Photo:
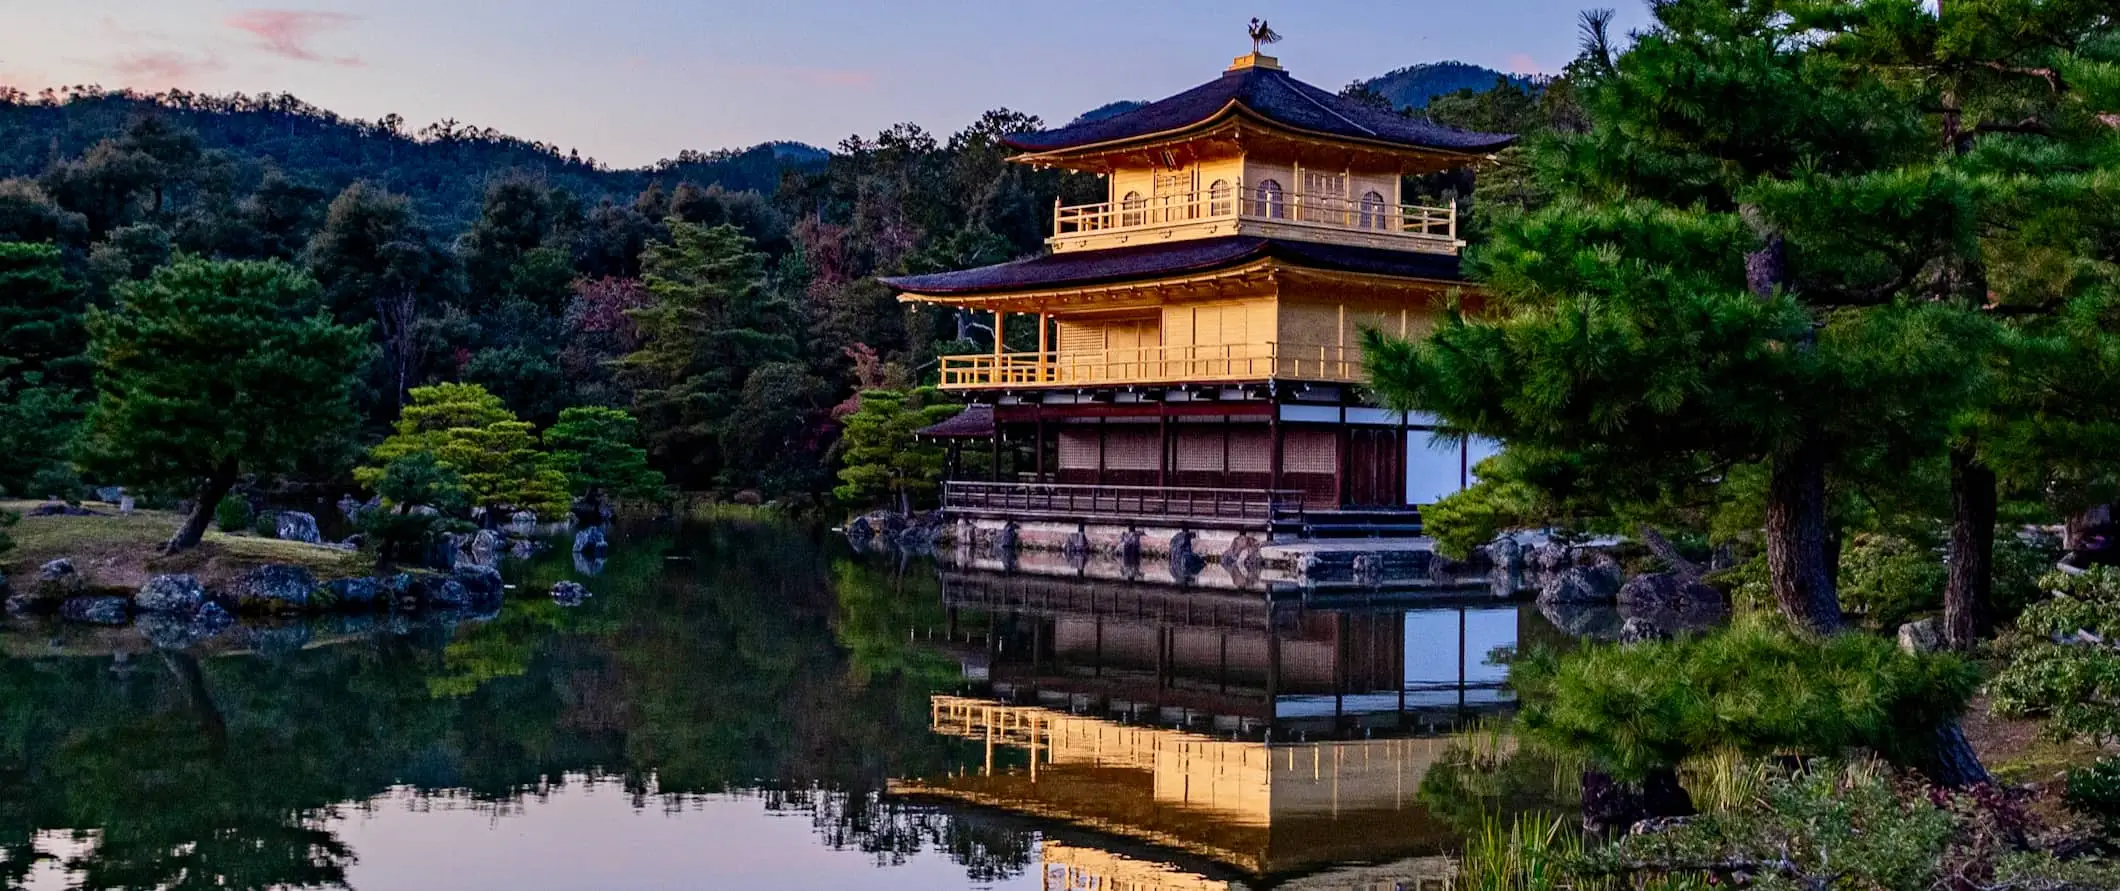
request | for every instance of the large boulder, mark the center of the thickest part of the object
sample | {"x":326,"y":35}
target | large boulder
{"x":1925,"y":636}
{"x":488,"y":542}
{"x":590,"y":542}
{"x":358,"y":594}
{"x":1597,"y":584}
{"x":293,"y":525}
{"x":274,"y":588}
{"x":96,"y":610}
{"x":482,"y":584}
{"x":440,"y":592}
{"x":1507,"y":573}
{"x":1671,"y":592}
{"x":170,"y":595}
{"x":523,"y":521}
{"x":1244,"y":560}
{"x":569,"y":593}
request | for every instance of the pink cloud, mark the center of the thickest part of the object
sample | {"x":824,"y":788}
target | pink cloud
{"x":289,"y":32}
{"x":160,"y":68}
{"x":1522,"y":63}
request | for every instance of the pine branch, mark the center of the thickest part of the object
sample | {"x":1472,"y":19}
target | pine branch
{"x":2052,"y":77}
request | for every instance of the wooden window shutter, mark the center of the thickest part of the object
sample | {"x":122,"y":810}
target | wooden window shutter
{"x":1078,"y":450}
{"x":1310,"y":451}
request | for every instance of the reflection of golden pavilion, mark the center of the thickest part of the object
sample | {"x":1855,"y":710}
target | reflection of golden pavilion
{"x":1258,"y":807}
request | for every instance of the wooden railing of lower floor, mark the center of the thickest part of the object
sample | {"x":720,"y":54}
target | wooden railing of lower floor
{"x":1232,"y":508}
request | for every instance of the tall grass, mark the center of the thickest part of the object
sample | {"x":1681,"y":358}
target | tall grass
{"x":1530,"y":854}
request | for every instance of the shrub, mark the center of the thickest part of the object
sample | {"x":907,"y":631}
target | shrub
{"x":1753,"y":688}
{"x":233,"y":514}
{"x":1850,"y":827}
{"x":1890,"y":579}
{"x":2066,"y":668}
{"x":2094,"y":791}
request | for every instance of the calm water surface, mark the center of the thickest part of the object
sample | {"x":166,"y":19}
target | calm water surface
{"x":744,"y":706}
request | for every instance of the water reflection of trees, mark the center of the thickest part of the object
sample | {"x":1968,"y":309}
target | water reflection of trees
{"x":706,"y":664}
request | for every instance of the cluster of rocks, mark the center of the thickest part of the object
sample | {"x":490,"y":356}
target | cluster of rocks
{"x":889,"y":530}
{"x":273,"y":589}
{"x":1583,"y":590}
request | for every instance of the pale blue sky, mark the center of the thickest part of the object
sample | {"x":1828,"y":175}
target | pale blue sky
{"x":631,"y":81}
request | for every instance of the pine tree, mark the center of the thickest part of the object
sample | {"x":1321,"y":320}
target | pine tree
{"x":1723,"y":281}
{"x":208,"y":370}
{"x":470,"y":431}
{"x":881,"y":459}
{"x":709,"y":324}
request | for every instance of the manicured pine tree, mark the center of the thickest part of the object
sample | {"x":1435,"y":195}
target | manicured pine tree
{"x":1719,"y":289}
{"x":471,"y":432}
{"x":596,"y":447}
{"x":209,"y":370}
{"x":709,"y":324}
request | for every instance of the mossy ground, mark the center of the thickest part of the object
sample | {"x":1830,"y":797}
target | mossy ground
{"x":123,"y":551}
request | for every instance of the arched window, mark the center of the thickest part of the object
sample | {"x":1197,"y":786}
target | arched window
{"x":1269,"y":202}
{"x":1133,"y":210}
{"x":1218,"y":199}
{"x":1373,"y":211}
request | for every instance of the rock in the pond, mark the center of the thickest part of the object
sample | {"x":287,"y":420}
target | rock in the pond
{"x":356,"y":594}
{"x":293,"y":525}
{"x":569,"y":593}
{"x":482,"y":584}
{"x":488,"y":541}
{"x":110,"y":494}
{"x":59,"y":579}
{"x":274,"y":588}
{"x":1244,"y":560}
{"x":170,"y":595}
{"x":523,"y":521}
{"x":441,"y":592}
{"x":590,"y":542}
{"x":1920,"y":637}
{"x":96,"y":610}
{"x":1185,"y":563}
{"x":1586,"y":621}
{"x":1006,"y":539}
{"x":1671,"y":592}
{"x":1581,"y":585}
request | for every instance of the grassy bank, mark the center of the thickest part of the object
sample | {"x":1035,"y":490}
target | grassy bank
{"x":123,"y":551}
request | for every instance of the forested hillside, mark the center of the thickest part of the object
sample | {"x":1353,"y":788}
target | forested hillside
{"x":443,"y":167}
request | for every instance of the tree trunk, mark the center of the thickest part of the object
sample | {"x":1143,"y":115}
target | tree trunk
{"x":1954,"y":763}
{"x":1800,"y":558}
{"x":211,"y":490}
{"x":1969,"y":595}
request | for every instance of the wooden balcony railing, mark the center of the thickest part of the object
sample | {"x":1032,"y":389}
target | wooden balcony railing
{"x":1430,"y":228}
{"x":1260,"y":508}
{"x":1156,"y":365}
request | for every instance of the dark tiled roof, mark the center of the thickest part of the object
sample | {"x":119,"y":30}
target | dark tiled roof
{"x":976,"y":421}
{"x":1176,"y":257}
{"x":1272,"y":94}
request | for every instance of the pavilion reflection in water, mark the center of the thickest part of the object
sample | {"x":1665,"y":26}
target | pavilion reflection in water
{"x":1190,"y":740}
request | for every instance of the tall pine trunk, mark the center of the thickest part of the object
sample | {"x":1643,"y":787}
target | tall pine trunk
{"x":211,"y":490}
{"x":1968,"y":595}
{"x":1802,"y":558}
{"x":1800,"y":554}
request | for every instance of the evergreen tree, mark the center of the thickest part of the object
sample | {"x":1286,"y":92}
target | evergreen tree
{"x":881,"y":458}
{"x":378,"y":263}
{"x":1724,"y":281}
{"x":471,"y":432}
{"x":710,"y":322}
{"x":597,"y":448}
{"x":208,"y":370}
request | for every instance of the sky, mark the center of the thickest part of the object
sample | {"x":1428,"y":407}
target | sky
{"x":632,"y":81}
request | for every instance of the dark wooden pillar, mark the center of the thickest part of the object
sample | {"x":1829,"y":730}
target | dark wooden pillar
{"x":1340,"y":442}
{"x":1163,"y":446}
{"x":1041,"y":444}
{"x":1278,"y":432}
{"x":1101,"y":431}
{"x":1399,"y":462}
{"x":997,"y":452}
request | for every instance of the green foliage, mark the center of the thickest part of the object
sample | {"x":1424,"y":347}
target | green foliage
{"x":1486,"y":776}
{"x":233,"y":514}
{"x":469,"y":431}
{"x":212,"y":367}
{"x":1891,"y":580}
{"x":2064,"y":666}
{"x":596,"y":448}
{"x":881,"y":458}
{"x":709,"y":324}
{"x":1752,"y":688}
{"x":420,"y":496}
{"x":2093,"y":790}
{"x":1856,"y":828}
{"x":44,"y":375}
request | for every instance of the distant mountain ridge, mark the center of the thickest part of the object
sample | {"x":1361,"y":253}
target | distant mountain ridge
{"x":444,"y":167}
{"x":1415,"y":85}
{"x":1408,"y":88}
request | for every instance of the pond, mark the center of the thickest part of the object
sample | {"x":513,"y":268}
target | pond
{"x":743,"y":705}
